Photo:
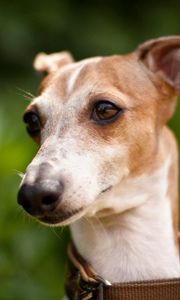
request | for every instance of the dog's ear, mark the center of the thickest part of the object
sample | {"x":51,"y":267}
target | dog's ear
{"x":48,"y":63}
{"x":162,"y":56}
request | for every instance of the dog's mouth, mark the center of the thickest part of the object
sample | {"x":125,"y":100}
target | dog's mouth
{"x":61,"y":219}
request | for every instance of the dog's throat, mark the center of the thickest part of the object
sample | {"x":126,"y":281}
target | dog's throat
{"x":132,"y":246}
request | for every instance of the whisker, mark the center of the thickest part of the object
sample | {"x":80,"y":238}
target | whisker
{"x":27,"y":95}
{"x":26,"y":92}
{"x":18,"y":215}
{"x":107,"y":235}
{"x":90,"y":223}
{"x":19,"y":173}
{"x":56,"y":233}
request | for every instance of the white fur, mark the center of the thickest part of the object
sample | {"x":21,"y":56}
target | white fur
{"x":136,"y":243}
{"x":73,"y":78}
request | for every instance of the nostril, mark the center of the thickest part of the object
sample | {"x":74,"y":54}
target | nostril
{"x":49,"y":200}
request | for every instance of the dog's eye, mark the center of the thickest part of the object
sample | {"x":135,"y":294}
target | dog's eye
{"x":105,"y":112}
{"x":33,"y":124}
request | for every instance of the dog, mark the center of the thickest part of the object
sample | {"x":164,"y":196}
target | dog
{"x":107,"y":163}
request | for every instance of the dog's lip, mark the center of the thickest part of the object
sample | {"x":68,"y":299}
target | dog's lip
{"x":59,"y":218}
{"x":65,"y":218}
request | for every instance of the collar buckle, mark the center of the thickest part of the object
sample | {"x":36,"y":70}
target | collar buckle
{"x":89,"y":293}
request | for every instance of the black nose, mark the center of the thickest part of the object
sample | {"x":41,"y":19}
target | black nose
{"x":41,"y":197}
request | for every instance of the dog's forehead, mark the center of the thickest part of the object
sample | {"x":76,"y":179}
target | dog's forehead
{"x":119,"y":75}
{"x":58,"y":87}
{"x":68,"y":78}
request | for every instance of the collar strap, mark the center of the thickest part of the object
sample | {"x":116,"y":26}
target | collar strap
{"x":83,"y":283}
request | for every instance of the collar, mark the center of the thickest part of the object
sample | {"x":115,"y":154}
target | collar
{"x":83,"y":283}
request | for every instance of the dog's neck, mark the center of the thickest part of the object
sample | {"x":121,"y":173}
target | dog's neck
{"x":136,"y":242}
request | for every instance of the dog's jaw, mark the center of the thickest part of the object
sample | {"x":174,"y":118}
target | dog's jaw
{"x":135,"y":243}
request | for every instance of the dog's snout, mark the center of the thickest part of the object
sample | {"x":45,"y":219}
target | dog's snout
{"x":41,"y":197}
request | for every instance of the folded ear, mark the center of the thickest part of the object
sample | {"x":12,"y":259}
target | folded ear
{"x":52,"y":62}
{"x":162,"y":56}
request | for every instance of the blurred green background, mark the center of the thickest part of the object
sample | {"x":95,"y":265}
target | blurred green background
{"x":32,"y":257}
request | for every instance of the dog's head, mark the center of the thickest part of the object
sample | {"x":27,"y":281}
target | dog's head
{"x":97,"y":122}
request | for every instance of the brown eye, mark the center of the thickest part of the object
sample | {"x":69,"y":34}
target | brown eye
{"x":33,"y":124}
{"x":105,"y":112}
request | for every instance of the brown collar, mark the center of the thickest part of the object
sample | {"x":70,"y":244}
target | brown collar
{"x":83,"y":283}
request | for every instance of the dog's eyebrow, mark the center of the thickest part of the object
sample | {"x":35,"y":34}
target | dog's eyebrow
{"x":119,"y":98}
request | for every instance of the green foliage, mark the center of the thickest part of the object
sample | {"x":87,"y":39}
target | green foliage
{"x":32,"y":257}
